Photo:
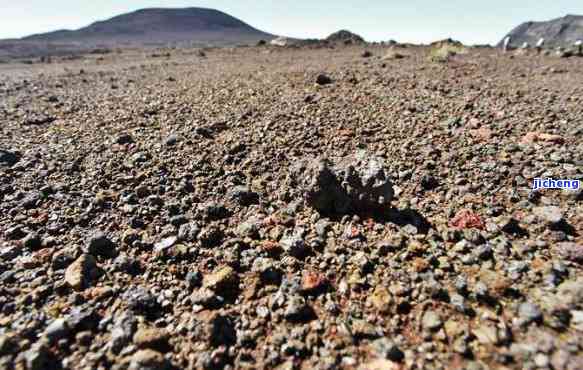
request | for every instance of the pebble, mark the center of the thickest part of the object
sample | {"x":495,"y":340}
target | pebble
{"x":82,"y":273}
{"x":100,"y":245}
{"x":221,"y":279}
{"x":549,"y":214}
{"x":58,"y":329}
{"x":153,"y":338}
{"x":323,"y":79}
{"x":529,"y":312}
{"x":147,"y":359}
{"x":431,"y":321}
{"x":386,"y":349}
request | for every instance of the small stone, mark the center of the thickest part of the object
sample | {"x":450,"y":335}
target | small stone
{"x":141,"y":301}
{"x":381,"y":299}
{"x":100,"y":245}
{"x":294,"y":245}
{"x":188,"y":232}
{"x":7,"y":345}
{"x":248,"y":229}
{"x":466,"y":219}
{"x":15,"y":233}
{"x":58,"y":329}
{"x":459,"y":302}
{"x":222,"y":278}
{"x":243,"y":196}
{"x":322,"y":227}
{"x":569,"y":251}
{"x":32,"y":241}
{"x":165,"y":244}
{"x":486,"y":334}
{"x":429,"y":182}
{"x":323,"y":79}
{"x":297,"y":310}
{"x":81,"y":273}
{"x":124,"y":138}
{"x":431,"y":321}
{"x":37,"y":357}
{"x":153,"y":338}
{"x":194,"y":279}
{"x":541,"y":360}
{"x":387,"y":349}
{"x":380,"y":364}
{"x":214,"y":211}
{"x":220,"y":331}
{"x":171,"y":140}
{"x":206,"y":298}
{"x":551,"y":215}
{"x":178,"y":220}
{"x":8,"y":158}
{"x":361,"y":329}
{"x":313,"y":282}
{"x":529,"y":312}
{"x":147,"y":359}
{"x":358,"y":182}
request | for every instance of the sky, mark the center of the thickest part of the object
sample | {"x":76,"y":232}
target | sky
{"x":418,"y":21}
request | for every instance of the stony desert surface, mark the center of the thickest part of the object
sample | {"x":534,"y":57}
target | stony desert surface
{"x":291,"y":208}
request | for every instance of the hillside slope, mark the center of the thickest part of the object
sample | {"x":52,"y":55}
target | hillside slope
{"x":557,"y":32}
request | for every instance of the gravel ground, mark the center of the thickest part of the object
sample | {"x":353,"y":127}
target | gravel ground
{"x":291,"y":208}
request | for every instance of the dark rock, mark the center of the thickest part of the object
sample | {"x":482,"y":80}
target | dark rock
{"x":214,"y":211}
{"x":221,"y":331}
{"x":323,"y":79}
{"x":32,"y":241}
{"x":38,"y":357}
{"x":8,"y":159}
{"x":243,"y":196}
{"x":429,"y":182}
{"x":100,"y":245}
{"x":385,"y":348}
{"x":124,"y":138}
{"x":178,"y":220}
{"x":297,"y":310}
{"x":141,"y":301}
{"x":171,"y":140}
{"x":357,"y":183}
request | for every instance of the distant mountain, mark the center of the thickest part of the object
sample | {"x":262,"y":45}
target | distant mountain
{"x":155,"y":26}
{"x":557,"y":32}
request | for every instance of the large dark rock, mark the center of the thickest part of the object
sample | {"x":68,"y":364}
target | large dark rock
{"x":356,"y":183}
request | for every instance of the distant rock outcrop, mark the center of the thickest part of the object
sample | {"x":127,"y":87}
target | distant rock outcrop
{"x":563,"y":32}
{"x":346,"y":37}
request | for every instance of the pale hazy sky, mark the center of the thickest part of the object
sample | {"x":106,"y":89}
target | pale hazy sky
{"x":405,"y":21}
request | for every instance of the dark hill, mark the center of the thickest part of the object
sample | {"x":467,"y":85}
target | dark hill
{"x":345,"y":37}
{"x":557,"y":32}
{"x":156,"y":26}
